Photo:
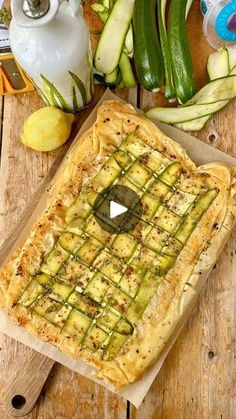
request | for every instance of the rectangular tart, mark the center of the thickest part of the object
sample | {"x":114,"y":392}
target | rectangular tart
{"x":115,"y":299}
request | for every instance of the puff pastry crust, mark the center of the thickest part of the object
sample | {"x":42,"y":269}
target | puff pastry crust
{"x":193,"y":212}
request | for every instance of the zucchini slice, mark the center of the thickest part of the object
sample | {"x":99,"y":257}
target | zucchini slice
{"x":195,"y":125}
{"x":126,"y":71}
{"x":55,"y":260}
{"x":218,"y":64}
{"x":31,"y":293}
{"x":169,"y":81}
{"x":112,"y":40}
{"x":185,"y":113}
{"x":232,"y":56}
{"x":77,"y":325}
{"x":115,"y":343}
{"x":215,"y":90}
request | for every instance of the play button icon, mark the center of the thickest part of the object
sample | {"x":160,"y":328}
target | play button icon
{"x":117,"y":209}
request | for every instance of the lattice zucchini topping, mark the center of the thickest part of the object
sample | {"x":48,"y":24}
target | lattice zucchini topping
{"x":95,"y":285}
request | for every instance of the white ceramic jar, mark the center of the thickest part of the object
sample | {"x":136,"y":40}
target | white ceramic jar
{"x":54,"y":50}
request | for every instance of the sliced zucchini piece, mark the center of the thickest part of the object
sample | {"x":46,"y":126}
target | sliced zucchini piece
{"x":76,"y":226}
{"x":144,"y":257}
{"x":185,"y":229}
{"x":169,"y":80}
{"x":123,"y":246}
{"x":79,"y":209}
{"x":124,"y":181}
{"x":203,"y":203}
{"x":123,"y":159}
{"x":77,"y":325}
{"x":43,"y":279}
{"x":135,"y":146}
{"x":131,"y":280}
{"x":232,"y":56}
{"x":54,"y":260}
{"x":117,"y":299}
{"x":158,"y":189}
{"x":184,"y":113}
{"x":190,"y":221}
{"x":31,"y":293}
{"x":85,"y":304}
{"x":76,"y":273}
{"x":129,"y":42}
{"x":94,"y":230}
{"x":218,"y":64}
{"x":126,"y":71}
{"x":95,"y":338}
{"x":149,"y":206}
{"x":172,"y":247}
{"x":52,"y":311}
{"x":70,"y":242}
{"x":215,"y":90}
{"x":171,"y":174}
{"x":91,"y":196}
{"x":97,"y":287}
{"x":138,"y":175}
{"x":135,"y":311}
{"x":113,"y":163}
{"x":111,"y":43}
{"x":156,"y":239}
{"x":109,"y":266}
{"x":167,"y":219}
{"x":99,"y":8}
{"x":112,"y":78}
{"x":147,"y":289}
{"x":89,"y":251}
{"x":195,"y":124}
{"x":60,"y":291}
{"x":124,"y":328}
{"x":155,"y":161}
{"x":114,"y":346}
{"x":163,"y":263}
{"x":109,"y":318}
{"x":104,"y":178}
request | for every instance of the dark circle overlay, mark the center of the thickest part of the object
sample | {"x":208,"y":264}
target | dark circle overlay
{"x":122,"y":195}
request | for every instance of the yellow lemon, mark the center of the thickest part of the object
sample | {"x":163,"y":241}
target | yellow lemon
{"x":47,"y":129}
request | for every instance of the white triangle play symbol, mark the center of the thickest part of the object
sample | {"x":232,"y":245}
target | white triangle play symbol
{"x":116,"y":209}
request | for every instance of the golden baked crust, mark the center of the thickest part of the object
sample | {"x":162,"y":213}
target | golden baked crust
{"x":176,"y":289}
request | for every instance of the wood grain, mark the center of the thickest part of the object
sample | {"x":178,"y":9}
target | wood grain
{"x":198,"y":379}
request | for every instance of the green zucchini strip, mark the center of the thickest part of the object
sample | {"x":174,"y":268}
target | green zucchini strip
{"x":112,"y":40}
{"x":126,"y":71}
{"x":183,"y":114}
{"x":169,"y":82}
{"x":218,"y":64}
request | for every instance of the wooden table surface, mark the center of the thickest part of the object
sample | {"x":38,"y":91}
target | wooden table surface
{"x":198,"y":378}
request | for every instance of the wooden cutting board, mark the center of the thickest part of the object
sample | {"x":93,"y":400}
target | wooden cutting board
{"x":198,"y":379}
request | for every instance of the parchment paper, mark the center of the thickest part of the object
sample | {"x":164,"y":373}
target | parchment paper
{"x":200,"y":153}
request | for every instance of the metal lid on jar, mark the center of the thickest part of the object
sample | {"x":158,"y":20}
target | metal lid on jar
{"x":35,"y":9}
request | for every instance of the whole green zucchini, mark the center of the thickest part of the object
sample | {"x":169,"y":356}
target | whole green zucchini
{"x":147,"y":51}
{"x":180,"y":51}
